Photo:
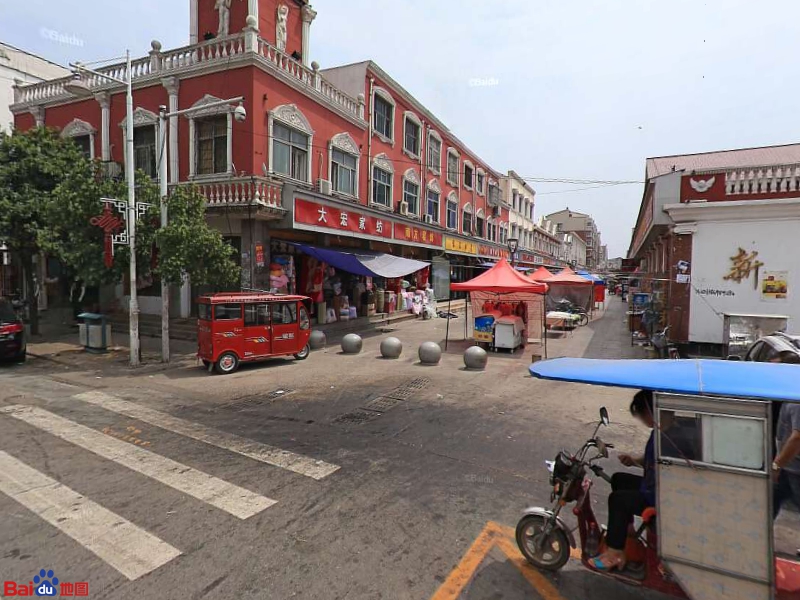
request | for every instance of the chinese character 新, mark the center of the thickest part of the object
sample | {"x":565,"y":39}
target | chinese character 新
{"x":343,"y":219}
{"x":323,"y":215}
{"x":742,"y":265}
{"x":362,"y":223}
{"x":379,"y":226}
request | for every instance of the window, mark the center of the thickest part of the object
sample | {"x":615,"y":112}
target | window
{"x":480,"y":224}
{"x":290,"y":148}
{"x":481,"y":180}
{"x":434,"y":153}
{"x":468,"y":172}
{"x":212,"y":145}
{"x":283,"y":313}
{"x":144,"y":150}
{"x":343,"y":172}
{"x":452,"y":168}
{"x":433,"y":205}
{"x":381,"y":187}
{"x":452,"y":214}
{"x":84,"y":142}
{"x":384,"y":117}
{"x":227,"y":312}
{"x":305,"y":320}
{"x":203,"y":311}
{"x":256,"y":315}
{"x":412,"y":136}
{"x":411,"y":196}
{"x":466,"y":221}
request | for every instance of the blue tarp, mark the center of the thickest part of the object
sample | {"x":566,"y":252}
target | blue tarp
{"x":359,"y":262}
{"x":766,"y":381}
{"x":593,"y":278}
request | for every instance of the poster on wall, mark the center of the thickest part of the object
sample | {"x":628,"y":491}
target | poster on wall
{"x":775,"y":285}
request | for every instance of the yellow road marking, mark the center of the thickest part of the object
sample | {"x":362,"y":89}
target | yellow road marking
{"x":502,"y":537}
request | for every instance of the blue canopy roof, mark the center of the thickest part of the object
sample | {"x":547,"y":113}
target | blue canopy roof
{"x":361,"y":262}
{"x":590,"y":276}
{"x":765,"y":381}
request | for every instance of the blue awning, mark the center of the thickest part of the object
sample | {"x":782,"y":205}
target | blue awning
{"x":591,"y":277}
{"x":763,"y":381}
{"x":361,"y":262}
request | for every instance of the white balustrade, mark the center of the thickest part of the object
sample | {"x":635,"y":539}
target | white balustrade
{"x":779,"y":179}
{"x":241,"y":191}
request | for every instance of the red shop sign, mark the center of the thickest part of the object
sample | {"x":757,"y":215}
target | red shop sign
{"x":417,"y":235}
{"x":340,"y":219}
{"x":493,"y":252}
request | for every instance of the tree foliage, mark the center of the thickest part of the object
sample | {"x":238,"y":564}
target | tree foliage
{"x":49,"y":192}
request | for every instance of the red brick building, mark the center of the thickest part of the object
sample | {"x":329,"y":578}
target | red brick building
{"x":716,"y":233}
{"x":342,"y":157}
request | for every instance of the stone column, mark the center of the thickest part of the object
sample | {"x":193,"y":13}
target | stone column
{"x":194,"y":23}
{"x":38,"y":115}
{"x":104,"y":99}
{"x":252,"y":9}
{"x":172,"y":85}
{"x":309,"y":14}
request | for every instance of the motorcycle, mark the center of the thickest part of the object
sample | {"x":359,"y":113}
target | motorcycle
{"x":662,"y":346}
{"x":546,"y":541}
{"x":568,"y":307}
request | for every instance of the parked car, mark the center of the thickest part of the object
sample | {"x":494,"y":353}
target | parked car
{"x":12,"y":333}
{"x":770,"y":347}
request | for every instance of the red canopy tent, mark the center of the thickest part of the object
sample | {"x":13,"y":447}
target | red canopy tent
{"x":540,"y":274}
{"x":568,"y":285}
{"x":503,"y":280}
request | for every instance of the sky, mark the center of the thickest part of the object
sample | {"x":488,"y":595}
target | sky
{"x":578,"y":90}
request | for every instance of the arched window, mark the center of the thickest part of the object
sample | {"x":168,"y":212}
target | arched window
{"x":411,"y":185}
{"x":466,"y":220}
{"x":291,"y":137}
{"x":343,"y":168}
{"x":383,"y":107}
{"x":480,"y":223}
{"x":382,"y":180}
{"x":83,"y":134}
{"x":452,"y":211}
{"x":433,"y":203}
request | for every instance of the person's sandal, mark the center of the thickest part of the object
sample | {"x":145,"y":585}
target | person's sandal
{"x":599,"y":565}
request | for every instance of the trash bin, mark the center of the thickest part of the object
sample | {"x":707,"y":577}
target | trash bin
{"x":94,"y":332}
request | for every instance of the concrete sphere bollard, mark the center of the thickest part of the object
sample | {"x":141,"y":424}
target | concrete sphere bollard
{"x":475,"y":358}
{"x":351,"y":343}
{"x":391,"y":347}
{"x":430,"y":353}
{"x":318,"y":340}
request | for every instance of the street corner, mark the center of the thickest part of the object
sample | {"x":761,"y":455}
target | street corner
{"x":493,"y":565}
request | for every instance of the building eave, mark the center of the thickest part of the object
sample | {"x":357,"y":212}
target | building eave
{"x":746,"y":210}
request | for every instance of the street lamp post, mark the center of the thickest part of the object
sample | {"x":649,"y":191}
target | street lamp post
{"x":240,"y":115}
{"x":513,"y":245}
{"x":79,"y":89}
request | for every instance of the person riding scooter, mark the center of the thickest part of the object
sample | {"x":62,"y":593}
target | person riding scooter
{"x":631,"y":494}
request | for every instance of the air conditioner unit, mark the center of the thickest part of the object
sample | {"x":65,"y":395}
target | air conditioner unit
{"x":403,"y":209}
{"x":428,"y":219}
{"x":324,"y":186}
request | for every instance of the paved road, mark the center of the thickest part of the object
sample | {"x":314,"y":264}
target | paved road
{"x":338,"y":478}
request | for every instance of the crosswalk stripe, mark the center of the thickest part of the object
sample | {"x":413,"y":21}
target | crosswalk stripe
{"x":226,"y":496}
{"x":304,"y":465}
{"x":129,"y":549}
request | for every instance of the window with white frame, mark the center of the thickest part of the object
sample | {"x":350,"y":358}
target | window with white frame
{"x":434,"y":152}
{"x":144,"y":150}
{"x":383,"y":114}
{"x":382,"y":176}
{"x":480,"y":181}
{"x":411,"y":191}
{"x":480,"y":224}
{"x":343,"y":172}
{"x":412,"y":137}
{"x":82,"y":134}
{"x":452,"y":211}
{"x":469,"y":172}
{"x":291,"y":138}
{"x":433,"y":198}
{"x":211,"y":149}
{"x":344,"y":157}
{"x":453,"y":169}
{"x":466,"y":220}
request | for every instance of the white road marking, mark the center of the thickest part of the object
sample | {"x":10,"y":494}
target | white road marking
{"x":129,"y":549}
{"x":304,"y":465}
{"x":226,"y":496}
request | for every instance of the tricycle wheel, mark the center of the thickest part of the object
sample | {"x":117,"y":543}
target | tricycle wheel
{"x":303,"y":354}
{"x":550,"y":555}
{"x":227,"y":363}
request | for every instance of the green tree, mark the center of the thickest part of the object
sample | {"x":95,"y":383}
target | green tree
{"x":32,"y":165}
{"x":187,"y":245}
